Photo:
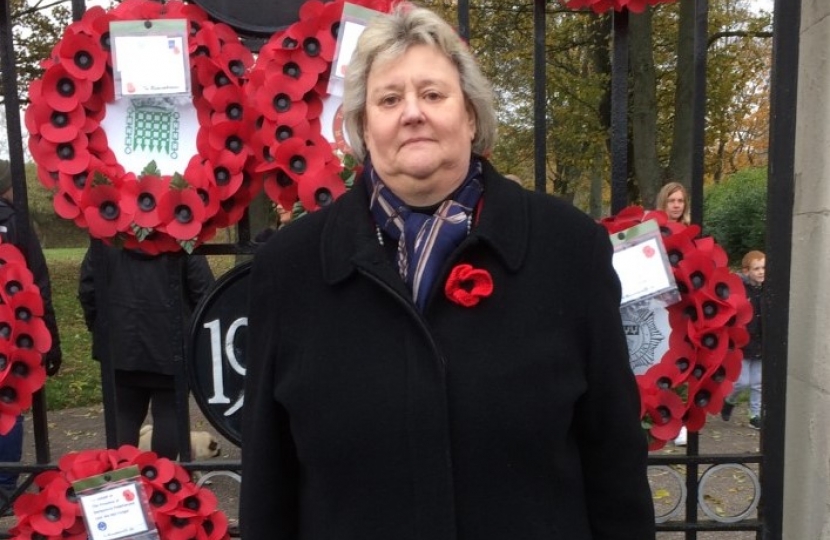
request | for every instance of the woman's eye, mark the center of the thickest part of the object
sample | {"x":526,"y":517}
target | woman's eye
{"x":388,"y":100}
{"x":432,"y":96}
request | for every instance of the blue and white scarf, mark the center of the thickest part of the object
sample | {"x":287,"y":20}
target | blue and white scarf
{"x":427,"y":240}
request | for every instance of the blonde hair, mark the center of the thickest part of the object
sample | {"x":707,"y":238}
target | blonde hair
{"x":663,"y":198}
{"x":388,"y":37}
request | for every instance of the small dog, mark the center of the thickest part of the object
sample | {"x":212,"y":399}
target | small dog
{"x":203,"y":445}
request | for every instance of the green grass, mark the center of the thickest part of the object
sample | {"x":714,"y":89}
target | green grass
{"x":78,"y":383}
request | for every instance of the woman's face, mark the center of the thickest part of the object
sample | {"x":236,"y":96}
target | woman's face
{"x":675,"y":205}
{"x":418,"y":128}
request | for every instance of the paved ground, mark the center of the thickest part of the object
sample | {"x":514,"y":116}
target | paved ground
{"x":729,"y":492}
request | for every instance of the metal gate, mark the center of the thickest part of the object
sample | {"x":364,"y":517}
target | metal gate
{"x":770,"y":460}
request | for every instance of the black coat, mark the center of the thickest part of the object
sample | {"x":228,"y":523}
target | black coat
{"x":137,"y":327}
{"x":755,"y":327}
{"x":514,"y":419}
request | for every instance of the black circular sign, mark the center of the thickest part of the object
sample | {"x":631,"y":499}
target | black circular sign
{"x":257,"y":16}
{"x":216,"y":352}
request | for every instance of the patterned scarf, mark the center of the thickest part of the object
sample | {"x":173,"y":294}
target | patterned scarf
{"x":427,"y":240}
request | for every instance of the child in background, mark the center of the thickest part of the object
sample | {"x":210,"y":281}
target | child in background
{"x":753,"y":267}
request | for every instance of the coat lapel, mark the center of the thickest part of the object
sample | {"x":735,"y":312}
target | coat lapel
{"x":349,"y":243}
{"x":349,"y":239}
{"x":503,"y":222}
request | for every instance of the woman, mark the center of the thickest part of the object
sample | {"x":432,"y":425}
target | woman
{"x":674,"y":201}
{"x":381,"y":408}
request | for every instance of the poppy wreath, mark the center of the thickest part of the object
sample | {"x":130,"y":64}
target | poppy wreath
{"x":601,"y":6}
{"x":180,"y":509}
{"x":24,"y":338}
{"x":708,"y":330}
{"x":301,"y":170}
{"x":149,"y":210}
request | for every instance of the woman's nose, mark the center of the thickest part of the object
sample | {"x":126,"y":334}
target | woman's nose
{"x":412,"y":111}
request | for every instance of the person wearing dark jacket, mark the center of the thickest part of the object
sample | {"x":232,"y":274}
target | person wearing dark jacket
{"x":136,"y":331}
{"x":11,"y":444}
{"x":451,"y":363}
{"x":753,"y":268}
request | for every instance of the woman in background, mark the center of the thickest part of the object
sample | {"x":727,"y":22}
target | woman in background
{"x":673,"y":199}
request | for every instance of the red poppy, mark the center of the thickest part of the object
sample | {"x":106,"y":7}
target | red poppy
{"x":70,"y":157}
{"x":67,"y":208}
{"x":708,"y":246}
{"x":54,"y":126}
{"x":199,"y":504}
{"x":282,"y":189}
{"x":182,"y":212}
{"x":321,"y":189}
{"x":237,"y":59}
{"x":315,"y":41}
{"x":155,"y":471}
{"x":225,"y":142}
{"x":15,"y":278}
{"x":290,"y":64}
{"x":10,"y":254}
{"x":47,"y":514}
{"x":466,"y":285}
{"x":141,"y":199}
{"x":26,"y":375}
{"x":177,"y":528}
{"x":280,"y":100}
{"x":32,"y":335}
{"x":102,"y":209}
{"x":82,"y":56}
{"x":61,"y":90}
{"x":213,"y":527}
{"x":665,"y":375}
{"x":665,"y":411}
{"x":26,"y":304}
{"x":225,"y":104}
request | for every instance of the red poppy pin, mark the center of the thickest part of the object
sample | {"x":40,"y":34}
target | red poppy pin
{"x":466,"y":285}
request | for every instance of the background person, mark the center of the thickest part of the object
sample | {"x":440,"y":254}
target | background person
{"x":401,"y":397}
{"x":673,"y":199}
{"x":753,"y":271}
{"x":11,"y":444}
{"x":138,"y":335}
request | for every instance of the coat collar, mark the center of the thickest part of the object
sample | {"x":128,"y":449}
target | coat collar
{"x":349,"y":239}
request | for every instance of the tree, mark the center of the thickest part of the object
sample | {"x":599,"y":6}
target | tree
{"x":36,"y":27}
{"x":577,"y":101}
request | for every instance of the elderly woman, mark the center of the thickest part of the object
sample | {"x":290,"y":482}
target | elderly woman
{"x":453,"y":364}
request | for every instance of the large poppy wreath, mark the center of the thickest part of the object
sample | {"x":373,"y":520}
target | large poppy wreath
{"x":149,"y":209}
{"x":288,"y":91}
{"x":180,"y":509}
{"x":24,"y":338}
{"x":708,"y":329}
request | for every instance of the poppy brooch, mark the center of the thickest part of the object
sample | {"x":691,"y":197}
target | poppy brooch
{"x":466,"y":286}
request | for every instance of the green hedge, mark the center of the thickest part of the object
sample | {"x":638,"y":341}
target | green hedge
{"x":735,"y":213}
